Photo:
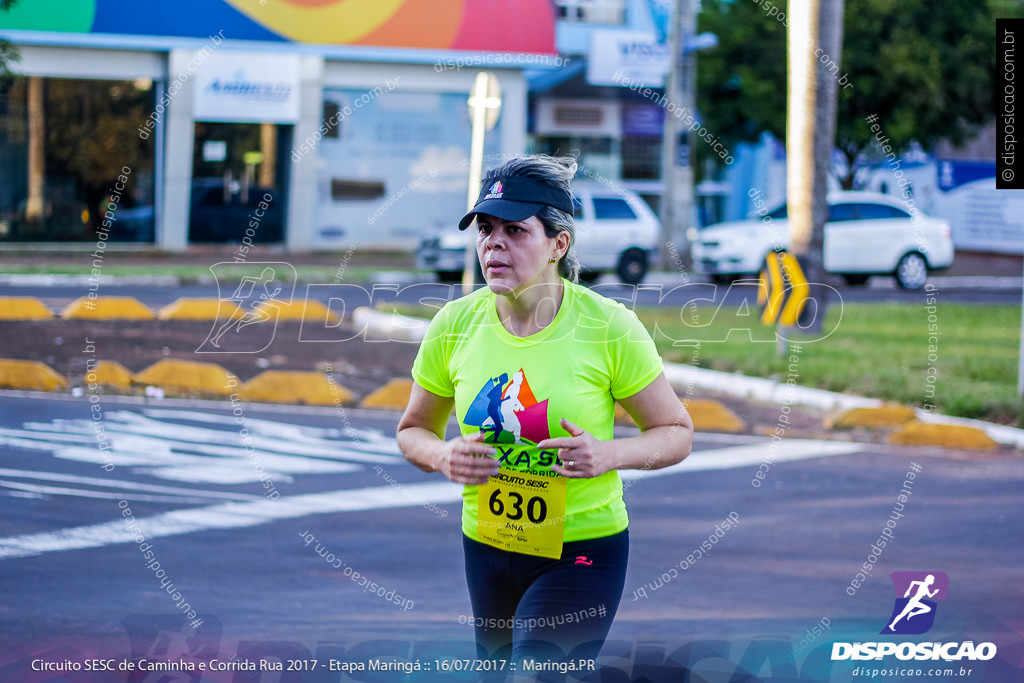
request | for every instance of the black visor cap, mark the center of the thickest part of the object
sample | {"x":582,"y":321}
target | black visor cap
{"x":517,"y":198}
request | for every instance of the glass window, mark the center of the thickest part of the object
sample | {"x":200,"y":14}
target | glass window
{"x":577,"y":208}
{"x":592,"y":11}
{"x":611,"y":208}
{"x":877,"y":211}
{"x":77,"y":160}
{"x":842,"y":212}
{"x":641,"y":159}
{"x":332,"y":113}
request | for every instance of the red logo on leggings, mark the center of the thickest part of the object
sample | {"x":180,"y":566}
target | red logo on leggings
{"x":582,"y":559}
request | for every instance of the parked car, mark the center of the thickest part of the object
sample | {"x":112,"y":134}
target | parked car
{"x":866,"y":234}
{"x":615,"y":232}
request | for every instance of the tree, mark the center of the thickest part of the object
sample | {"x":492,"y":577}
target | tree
{"x":741,"y":84}
{"x":8,"y":53}
{"x":924,"y":68}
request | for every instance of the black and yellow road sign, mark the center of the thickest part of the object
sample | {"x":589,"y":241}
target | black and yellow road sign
{"x":783,"y":290}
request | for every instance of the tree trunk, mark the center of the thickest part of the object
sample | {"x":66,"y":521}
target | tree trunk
{"x":268,"y":147}
{"x":810,"y":134}
{"x":34,"y":205}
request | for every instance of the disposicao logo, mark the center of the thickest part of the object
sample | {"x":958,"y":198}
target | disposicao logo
{"x":913,"y":613}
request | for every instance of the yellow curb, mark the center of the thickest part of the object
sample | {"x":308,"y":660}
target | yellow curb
{"x":888,"y":415}
{"x":110,"y":374}
{"x":23,"y":308}
{"x":107,"y":308}
{"x":198,"y":309}
{"x":711,"y":416}
{"x":29,"y":374}
{"x":309,"y":309}
{"x":188,"y":378}
{"x":948,"y":436}
{"x":282,"y":386}
{"x":707,"y":415}
{"x":392,"y":396}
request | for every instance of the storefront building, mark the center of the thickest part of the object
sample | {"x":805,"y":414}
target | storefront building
{"x":316,"y":126}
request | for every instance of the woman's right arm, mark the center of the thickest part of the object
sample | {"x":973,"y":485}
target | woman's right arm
{"x":421,"y":431}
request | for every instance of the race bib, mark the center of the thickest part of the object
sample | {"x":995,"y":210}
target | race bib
{"x":522,"y":513}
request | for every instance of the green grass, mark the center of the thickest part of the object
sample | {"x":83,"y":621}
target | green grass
{"x":876,"y":350}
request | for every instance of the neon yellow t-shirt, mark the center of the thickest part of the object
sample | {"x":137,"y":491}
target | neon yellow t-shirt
{"x":516,"y":389}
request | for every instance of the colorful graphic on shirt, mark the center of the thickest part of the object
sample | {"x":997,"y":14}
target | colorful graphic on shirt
{"x":508,"y":411}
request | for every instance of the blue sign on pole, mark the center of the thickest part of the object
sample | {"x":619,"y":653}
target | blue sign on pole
{"x":661,"y":13}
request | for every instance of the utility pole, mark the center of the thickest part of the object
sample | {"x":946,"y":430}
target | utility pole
{"x":676,"y":159}
{"x":484,"y":107}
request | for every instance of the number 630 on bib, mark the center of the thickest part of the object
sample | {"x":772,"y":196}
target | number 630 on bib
{"x":522,"y":513}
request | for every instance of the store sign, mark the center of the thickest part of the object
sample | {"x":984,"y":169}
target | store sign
{"x":247,"y":87}
{"x":643,"y":120}
{"x":627,"y":58}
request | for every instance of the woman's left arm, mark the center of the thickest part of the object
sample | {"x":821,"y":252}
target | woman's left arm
{"x":666,"y":437}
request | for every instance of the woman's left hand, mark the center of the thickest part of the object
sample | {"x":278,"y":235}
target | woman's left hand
{"x":582,"y":455}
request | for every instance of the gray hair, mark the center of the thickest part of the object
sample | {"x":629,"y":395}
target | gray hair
{"x":557,"y":171}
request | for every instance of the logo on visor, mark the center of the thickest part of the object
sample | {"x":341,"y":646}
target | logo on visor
{"x":494,"y":192}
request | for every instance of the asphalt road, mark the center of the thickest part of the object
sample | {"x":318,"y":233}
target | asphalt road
{"x":75,"y":583}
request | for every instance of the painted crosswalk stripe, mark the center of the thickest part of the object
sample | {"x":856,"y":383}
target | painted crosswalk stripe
{"x":236,"y":515}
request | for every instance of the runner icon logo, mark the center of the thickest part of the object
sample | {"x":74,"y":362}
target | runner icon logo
{"x":914,"y":609}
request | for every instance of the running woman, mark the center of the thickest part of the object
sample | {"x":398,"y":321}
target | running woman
{"x":545,"y":530}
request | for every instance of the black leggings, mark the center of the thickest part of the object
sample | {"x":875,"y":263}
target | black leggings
{"x":536,"y":607}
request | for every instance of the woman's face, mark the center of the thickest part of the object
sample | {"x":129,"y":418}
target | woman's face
{"x":515,"y":255}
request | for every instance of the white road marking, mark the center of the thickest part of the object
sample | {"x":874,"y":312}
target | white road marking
{"x":237,"y":515}
{"x":752,"y":454}
{"x":196,"y":453}
{"x":123,"y":484}
{"x":107,"y":495}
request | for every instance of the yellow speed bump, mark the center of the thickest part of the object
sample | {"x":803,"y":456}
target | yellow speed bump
{"x":948,"y":436}
{"x":282,"y":386}
{"x":198,"y":309}
{"x":107,"y":308}
{"x":188,"y":378}
{"x":301,"y":309}
{"x":29,"y":374}
{"x":23,"y":308}
{"x":887,"y":415}
{"x":707,"y":415}
{"x":109,"y":374}
{"x":392,"y":396}
{"x":711,"y":416}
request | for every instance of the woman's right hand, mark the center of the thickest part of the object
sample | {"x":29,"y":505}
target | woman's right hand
{"x":467,"y":460}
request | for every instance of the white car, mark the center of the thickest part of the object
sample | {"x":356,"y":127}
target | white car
{"x":866,"y":234}
{"x":615,"y":232}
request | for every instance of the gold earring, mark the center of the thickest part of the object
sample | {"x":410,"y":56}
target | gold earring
{"x":554,"y":260}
